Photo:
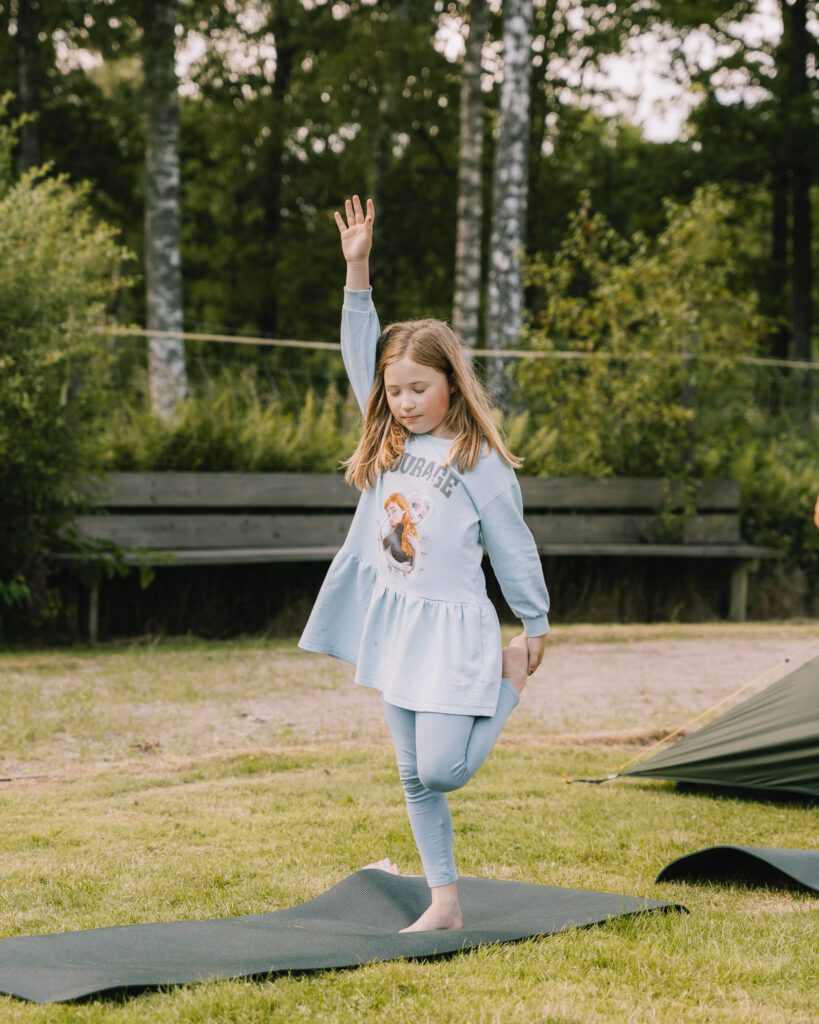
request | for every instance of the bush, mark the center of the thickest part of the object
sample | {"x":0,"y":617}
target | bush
{"x":658,"y":326}
{"x":230,"y":424}
{"x":58,"y":271}
{"x":659,"y":388}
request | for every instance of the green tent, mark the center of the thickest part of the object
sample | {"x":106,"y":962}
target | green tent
{"x":769,"y":742}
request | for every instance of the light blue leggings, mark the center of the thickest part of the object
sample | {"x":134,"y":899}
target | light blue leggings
{"x":437,"y":753}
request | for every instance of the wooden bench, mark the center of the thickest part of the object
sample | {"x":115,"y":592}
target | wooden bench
{"x":184,"y":519}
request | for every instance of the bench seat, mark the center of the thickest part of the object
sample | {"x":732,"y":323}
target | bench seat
{"x":185,"y":519}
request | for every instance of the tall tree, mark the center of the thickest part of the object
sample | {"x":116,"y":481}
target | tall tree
{"x":28,"y":81}
{"x":509,"y":191}
{"x":796,"y":99}
{"x":168,"y":379}
{"x":772,"y":141}
{"x":467,"y":301}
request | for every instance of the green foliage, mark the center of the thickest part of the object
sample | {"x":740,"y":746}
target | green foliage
{"x":659,"y":388}
{"x":658,"y":326}
{"x":58,"y":271}
{"x":230,"y":424}
{"x":779,"y":476}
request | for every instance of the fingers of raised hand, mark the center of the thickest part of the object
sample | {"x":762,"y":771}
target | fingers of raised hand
{"x":355,"y":214}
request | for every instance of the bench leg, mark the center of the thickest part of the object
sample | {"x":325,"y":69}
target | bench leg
{"x":93,"y":611}
{"x":739,"y":589}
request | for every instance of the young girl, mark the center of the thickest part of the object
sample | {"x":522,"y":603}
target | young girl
{"x":405,"y":600}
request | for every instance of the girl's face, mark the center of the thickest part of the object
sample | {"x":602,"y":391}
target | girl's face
{"x":394,"y":513}
{"x":418,"y":396}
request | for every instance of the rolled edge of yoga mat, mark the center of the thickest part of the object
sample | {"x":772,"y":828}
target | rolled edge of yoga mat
{"x":355,"y":922}
{"x":777,"y":867}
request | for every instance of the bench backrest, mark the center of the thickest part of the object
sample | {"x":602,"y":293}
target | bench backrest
{"x":173,"y":511}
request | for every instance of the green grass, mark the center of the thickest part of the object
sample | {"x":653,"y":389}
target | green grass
{"x":196,"y":831}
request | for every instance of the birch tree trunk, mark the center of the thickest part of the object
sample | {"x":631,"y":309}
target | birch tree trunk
{"x":163,"y":270}
{"x":509,"y":192}
{"x":28,"y":81}
{"x":466,"y":303}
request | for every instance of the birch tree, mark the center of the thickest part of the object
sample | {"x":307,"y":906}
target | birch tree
{"x":466,"y":305}
{"x":509,"y":191}
{"x":166,"y":356}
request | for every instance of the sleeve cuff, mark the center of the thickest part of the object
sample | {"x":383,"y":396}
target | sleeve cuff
{"x":361,"y":301}
{"x":539,"y":626}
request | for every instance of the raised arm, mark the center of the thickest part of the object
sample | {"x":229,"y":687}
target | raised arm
{"x":360,"y":329}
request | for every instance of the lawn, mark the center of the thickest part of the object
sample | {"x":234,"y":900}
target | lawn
{"x":147,"y":787}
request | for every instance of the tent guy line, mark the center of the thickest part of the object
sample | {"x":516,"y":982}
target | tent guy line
{"x":643,"y":754}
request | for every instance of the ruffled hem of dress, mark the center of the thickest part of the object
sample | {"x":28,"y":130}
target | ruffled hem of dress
{"x":328,"y":629}
{"x":478,"y":711}
{"x":399,"y":646}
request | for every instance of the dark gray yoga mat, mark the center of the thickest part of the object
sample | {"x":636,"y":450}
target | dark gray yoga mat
{"x":748,"y":865}
{"x":355,"y":922}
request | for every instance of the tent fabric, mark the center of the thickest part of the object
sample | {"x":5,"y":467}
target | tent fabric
{"x":354,"y":923}
{"x":769,"y":742}
{"x":749,"y":865}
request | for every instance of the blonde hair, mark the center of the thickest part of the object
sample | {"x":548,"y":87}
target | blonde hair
{"x":431,"y":343}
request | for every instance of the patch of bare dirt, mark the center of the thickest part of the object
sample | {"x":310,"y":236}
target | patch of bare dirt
{"x":586,"y":691}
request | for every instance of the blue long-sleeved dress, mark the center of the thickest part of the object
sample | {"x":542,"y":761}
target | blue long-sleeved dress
{"x":404,"y":599}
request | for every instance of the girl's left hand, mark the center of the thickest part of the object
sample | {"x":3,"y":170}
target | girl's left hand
{"x":537,"y":647}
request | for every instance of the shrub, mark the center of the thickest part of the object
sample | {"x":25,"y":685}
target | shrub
{"x":658,"y":326}
{"x":664,"y":391}
{"x":59,"y":269}
{"x":230,"y":423}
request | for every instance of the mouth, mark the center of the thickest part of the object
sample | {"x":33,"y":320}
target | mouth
{"x":411,"y":419}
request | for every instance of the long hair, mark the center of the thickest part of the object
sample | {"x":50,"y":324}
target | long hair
{"x":431,"y":343}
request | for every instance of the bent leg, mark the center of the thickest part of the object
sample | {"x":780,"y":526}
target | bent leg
{"x":451,"y":748}
{"x":428,"y":811}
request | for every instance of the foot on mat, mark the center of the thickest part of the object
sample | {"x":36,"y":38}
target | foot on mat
{"x":438,"y":919}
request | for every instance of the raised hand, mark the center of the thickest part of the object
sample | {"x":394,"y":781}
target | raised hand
{"x":357,"y":233}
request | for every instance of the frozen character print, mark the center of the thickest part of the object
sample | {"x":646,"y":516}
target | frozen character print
{"x":399,"y":534}
{"x":419,"y":508}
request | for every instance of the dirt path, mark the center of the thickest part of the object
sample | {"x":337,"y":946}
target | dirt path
{"x":582,"y":690}
{"x":153,"y":704}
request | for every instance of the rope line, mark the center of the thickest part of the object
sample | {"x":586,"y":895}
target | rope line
{"x":333,"y":346}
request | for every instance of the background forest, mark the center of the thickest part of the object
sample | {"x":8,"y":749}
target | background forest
{"x":175,"y":166}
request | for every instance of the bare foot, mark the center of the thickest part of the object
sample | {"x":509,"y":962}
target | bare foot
{"x":385,"y":864}
{"x":515,"y":666}
{"x":439,"y":917}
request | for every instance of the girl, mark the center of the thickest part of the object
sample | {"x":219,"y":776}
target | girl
{"x":404,"y":600}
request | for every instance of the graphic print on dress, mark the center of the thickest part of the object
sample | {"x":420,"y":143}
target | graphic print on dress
{"x":401,"y":541}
